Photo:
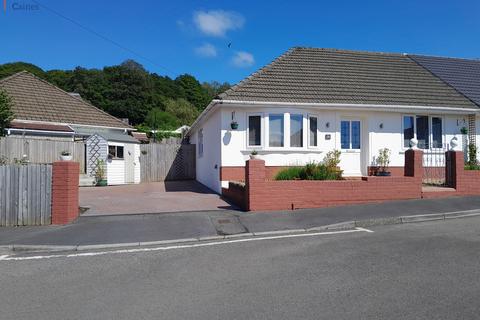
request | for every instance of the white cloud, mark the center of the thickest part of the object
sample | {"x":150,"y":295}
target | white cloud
{"x":243,"y":59}
{"x":207,"y":50}
{"x":217,"y":22}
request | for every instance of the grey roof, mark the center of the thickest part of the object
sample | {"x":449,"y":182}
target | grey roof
{"x":314,"y":75}
{"x":108,"y":134}
{"x":461,"y":74}
{"x":35,"y":99}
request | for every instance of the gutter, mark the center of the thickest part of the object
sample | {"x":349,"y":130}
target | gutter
{"x":351,"y":106}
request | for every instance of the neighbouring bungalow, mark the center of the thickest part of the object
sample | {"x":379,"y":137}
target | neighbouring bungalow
{"x":309,"y":101}
{"x":44,"y":111}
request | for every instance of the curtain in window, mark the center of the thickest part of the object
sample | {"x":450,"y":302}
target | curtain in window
{"x":254,"y":130}
{"x":408,"y":132}
{"x":276,"y":130}
{"x":296,"y":130}
{"x":313,"y":132}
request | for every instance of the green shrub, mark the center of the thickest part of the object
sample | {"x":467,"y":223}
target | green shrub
{"x":311,"y":171}
{"x":290,"y":173}
{"x":472,"y":167}
{"x":472,"y":155}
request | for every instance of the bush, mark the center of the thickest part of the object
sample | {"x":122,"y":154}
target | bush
{"x":311,"y":171}
{"x":472,"y":155}
{"x":472,"y":167}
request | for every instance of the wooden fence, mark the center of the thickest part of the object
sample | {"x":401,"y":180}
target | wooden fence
{"x":161,"y":161}
{"x":41,"y":151}
{"x":25,"y":194}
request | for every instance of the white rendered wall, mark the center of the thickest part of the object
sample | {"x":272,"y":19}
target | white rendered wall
{"x":208,"y":165}
{"x":234,"y":142}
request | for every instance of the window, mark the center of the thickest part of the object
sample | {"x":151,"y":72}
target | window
{"x":423,"y":135}
{"x":115,"y":152}
{"x":275,"y":135}
{"x":350,"y":134}
{"x":313,"y":127}
{"x":437,"y":141}
{"x":296,"y":130}
{"x":427,"y":130}
{"x":254,"y":130}
{"x":200,"y":143}
{"x":408,"y":130}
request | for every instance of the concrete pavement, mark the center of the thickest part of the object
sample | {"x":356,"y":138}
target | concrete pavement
{"x":134,"y":229}
{"x":410,"y":271}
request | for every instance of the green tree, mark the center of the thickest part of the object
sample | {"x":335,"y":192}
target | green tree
{"x":193,"y":91}
{"x":9,"y":69}
{"x":6,"y":114}
{"x":183,"y":110}
{"x":157,"y":119}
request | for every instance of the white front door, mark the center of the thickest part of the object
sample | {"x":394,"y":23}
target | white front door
{"x":351,"y":147}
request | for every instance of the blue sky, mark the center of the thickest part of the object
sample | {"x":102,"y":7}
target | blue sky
{"x":175,"y":37}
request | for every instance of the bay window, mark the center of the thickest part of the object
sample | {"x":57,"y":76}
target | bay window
{"x":427,"y":130}
{"x":275,"y":134}
{"x":296,"y":130}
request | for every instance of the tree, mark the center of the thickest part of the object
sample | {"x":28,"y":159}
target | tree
{"x":183,"y":110}
{"x":160,"y":120}
{"x":6,"y":114}
{"x":193,"y":91}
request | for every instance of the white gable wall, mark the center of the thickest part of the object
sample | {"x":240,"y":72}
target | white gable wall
{"x":208,"y":165}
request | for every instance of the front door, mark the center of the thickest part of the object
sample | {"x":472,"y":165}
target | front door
{"x":351,"y":147}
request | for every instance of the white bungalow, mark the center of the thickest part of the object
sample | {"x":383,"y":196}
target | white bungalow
{"x":310,"y":101}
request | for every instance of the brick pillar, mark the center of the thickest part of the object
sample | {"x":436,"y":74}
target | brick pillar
{"x":254,"y":182}
{"x":65,"y":181}
{"x":414,"y":163}
{"x":454,"y":167}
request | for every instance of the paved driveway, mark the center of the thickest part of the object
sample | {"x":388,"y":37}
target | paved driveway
{"x":153,"y":197}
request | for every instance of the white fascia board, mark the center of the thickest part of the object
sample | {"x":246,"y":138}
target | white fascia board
{"x":346,"y":106}
{"x":73,"y":124}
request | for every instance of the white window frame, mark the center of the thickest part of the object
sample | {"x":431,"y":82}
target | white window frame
{"x":262,"y":130}
{"x":309,"y":132}
{"x":200,"y":142}
{"x":430,"y":131}
{"x":350,"y":149}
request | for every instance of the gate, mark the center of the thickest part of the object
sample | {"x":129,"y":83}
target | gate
{"x":434,"y":163}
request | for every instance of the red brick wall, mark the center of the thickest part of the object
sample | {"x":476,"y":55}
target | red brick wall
{"x":466,"y":182}
{"x":65,"y":182}
{"x":238,"y":173}
{"x":263,"y":194}
{"x":236,"y":194}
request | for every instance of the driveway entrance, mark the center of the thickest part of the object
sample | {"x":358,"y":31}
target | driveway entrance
{"x":152,"y":197}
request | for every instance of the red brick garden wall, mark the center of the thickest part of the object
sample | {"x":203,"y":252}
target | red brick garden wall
{"x":466,"y":182}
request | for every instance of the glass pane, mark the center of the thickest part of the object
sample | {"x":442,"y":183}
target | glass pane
{"x":345,"y":134}
{"x":313,"y":131}
{"x":276,"y":130}
{"x":111,"y":152}
{"x":407,"y":130}
{"x":355,"y":134}
{"x":422,"y":132}
{"x":436,"y":132}
{"x":120,"y":152}
{"x":296,"y":130}
{"x":254,"y":130}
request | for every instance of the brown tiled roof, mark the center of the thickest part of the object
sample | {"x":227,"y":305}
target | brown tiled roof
{"x":35,"y":99}
{"x":40,"y":126}
{"x":314,"y":75}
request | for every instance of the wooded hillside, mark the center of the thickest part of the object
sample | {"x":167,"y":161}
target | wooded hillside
{"x":127,"y":90}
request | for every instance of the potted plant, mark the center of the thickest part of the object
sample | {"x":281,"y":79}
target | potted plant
{"x":65,"y":155}
{"x":234,"y":125}
{"x":254,"y":154}
{"x":383,"y":160}
{"x":100,"y":174}
{"x":463,"y":130}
